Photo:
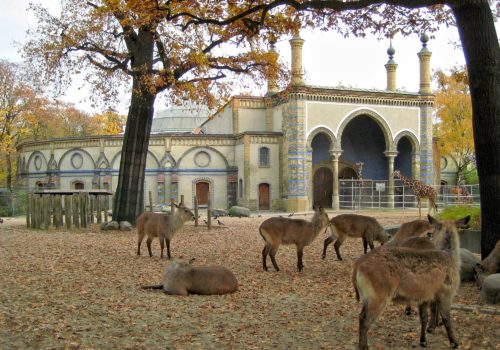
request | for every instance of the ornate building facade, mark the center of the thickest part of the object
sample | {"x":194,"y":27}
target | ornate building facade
{"x":286,"y":150}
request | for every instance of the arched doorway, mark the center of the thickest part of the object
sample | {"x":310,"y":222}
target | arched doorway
{"x":202,"y":190}
{"x":323,"y":176}
{"x":403,"y":159}
{"x":348,"y":173}
{"x":323,"y":187}
{"x":264,"y":197}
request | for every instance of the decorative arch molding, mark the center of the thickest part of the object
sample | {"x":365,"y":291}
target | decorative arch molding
{"x":386,"y":130}
{"x":52,"y":165}
{"x":321,"y":129}
{"x":415,"y":145}
{"x":73,"y":150}
{"x":31,"y":159}
{"x":102,"y":160}
{"x":118,"y":154}
{"x":194,"y":149}
{"x":168,"y":161}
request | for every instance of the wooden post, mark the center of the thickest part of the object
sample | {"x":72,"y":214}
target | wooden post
{"x":150,"y":201}
{"x":75,"y":204}
{"x":98,"y":210}
{"x":67,"y":211}
{"x":83,"y":209}
{"x":29,"y":210}
{"x":182,"y":200}
{"x":209,"y":211}
{"x":104,"y":206}
{"x":195,"y":211}
{"x":58,"y":221}
{"x":172,"y":206}
{"x":46,"y":211}
{"x":35,"y":206}
{"x":91,"y":208}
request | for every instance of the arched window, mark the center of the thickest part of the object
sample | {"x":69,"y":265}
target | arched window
{"x":264,"y":156}
{"x":78,"y":185}
{"x":241,"y":187}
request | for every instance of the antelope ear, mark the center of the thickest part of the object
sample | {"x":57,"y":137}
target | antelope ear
{"x":432,"y":220}
{"x":463,"y":222}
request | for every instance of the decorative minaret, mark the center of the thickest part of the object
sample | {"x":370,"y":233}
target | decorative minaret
{"x":272,"y":86}
{"x":296,"y":44}
{"x":424,"y":57}
{"x":390,"y":67}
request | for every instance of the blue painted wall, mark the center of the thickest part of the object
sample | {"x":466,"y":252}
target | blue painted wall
{"x":403,"y":160}
{"x":363,"y":141}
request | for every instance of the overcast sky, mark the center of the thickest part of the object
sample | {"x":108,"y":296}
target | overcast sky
{"x":328,"y":59}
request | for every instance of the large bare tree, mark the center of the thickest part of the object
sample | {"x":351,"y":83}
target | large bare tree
{"x":142,"y":45}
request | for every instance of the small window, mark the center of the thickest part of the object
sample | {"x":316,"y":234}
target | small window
{"x":241,"y":188}
{"x":264,"y":156}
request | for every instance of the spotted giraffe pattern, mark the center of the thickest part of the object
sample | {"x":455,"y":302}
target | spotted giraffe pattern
{"x":420,"y":190}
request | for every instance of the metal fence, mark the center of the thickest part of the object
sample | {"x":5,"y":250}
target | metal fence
{"x":364,"y":194}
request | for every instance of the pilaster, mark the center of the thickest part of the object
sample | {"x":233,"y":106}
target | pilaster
{"x":391,"y":155}
{"x":335,"y":155}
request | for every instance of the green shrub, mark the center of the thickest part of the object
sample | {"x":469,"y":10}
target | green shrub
{"x":471,"y":177}
{"x":457,"y":212}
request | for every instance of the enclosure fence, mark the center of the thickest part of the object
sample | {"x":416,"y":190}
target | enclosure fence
{"x":365,"y":194}
{"x":353,"y":194}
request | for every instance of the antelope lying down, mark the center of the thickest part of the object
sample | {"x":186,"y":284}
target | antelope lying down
{"x":354,"y":225}
{"x":182,"y":278}
{"x":163,"y":226}
{"x":489,"y":265}
{"x":278,"y":230}
{"x":410,"y":275}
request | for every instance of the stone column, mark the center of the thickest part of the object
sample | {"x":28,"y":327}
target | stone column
{"x":296,"y":44}
{"x":390,"y":191}
{"x":297,"y":176}
{"x":424,"y":57}
{"x":335,"y":155}
{"x":390,"y":67}
{"x":246,"y":169}
{"x":310,"y":184}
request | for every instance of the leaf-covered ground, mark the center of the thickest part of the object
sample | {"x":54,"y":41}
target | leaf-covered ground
{"x":81,"y":290}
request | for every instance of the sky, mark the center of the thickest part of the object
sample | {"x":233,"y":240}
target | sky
{"x":328,"y":58}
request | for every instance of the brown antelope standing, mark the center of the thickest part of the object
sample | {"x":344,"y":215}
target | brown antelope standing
{"x":489,"y":265}
{"x":354,"y":225}
{"x":278,"y":230}
{"x":409,"y":275}
{"x":163,"y":226}
{"x":182,"y":278}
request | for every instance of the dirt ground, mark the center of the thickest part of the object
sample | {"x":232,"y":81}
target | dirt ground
{"x":81,"y":290}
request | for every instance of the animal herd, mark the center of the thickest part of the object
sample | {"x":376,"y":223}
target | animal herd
{"x":419,"y":265}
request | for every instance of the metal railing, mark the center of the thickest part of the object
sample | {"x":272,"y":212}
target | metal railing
{"x":365,"y":194}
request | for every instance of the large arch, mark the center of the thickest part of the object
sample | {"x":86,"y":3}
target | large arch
{"x":364,"y":143}
{"x":386,"y":130}
{"x":194,"y":149}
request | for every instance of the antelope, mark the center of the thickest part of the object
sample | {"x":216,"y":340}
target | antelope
{"x":279,"y":230}
{"x":410,"y":275}
{"x":163,"y":226}
{"x":489,"y":265}
{"x":182,"y":278}
{"x":415,"y":228}
{"x":354,"y":225}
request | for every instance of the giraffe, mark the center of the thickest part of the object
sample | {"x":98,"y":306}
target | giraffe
{"x":420,"y":190}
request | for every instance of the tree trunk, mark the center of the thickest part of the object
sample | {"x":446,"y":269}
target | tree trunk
{"x":9,"y":171}
{"x":482,"y":54}
{"x":129,"y":197}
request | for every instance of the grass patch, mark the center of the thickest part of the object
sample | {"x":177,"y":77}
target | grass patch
{"x":459,"y":211}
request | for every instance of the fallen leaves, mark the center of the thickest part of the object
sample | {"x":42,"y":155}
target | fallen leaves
{"x":62,"y":290}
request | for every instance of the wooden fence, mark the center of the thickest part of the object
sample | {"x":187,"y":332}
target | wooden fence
{"x":69,"y":208}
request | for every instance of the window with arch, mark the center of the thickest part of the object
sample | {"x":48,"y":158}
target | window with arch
{"x":264,"y":156}
{"x":78,"y":185}
{"x":240,"y":188}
